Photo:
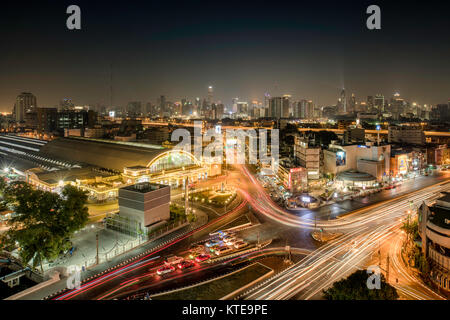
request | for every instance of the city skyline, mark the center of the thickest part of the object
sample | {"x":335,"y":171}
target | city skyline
{"x":179,"y":51}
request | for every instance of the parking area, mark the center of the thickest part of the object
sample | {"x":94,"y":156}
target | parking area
{"x":84,"y":252}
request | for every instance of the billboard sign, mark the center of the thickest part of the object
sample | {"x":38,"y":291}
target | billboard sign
{"x":341,"y":158}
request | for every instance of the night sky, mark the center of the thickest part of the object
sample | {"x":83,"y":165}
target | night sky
{"x":309,"y":49}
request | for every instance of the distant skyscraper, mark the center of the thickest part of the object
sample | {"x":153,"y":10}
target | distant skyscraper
{"x":25,"y":102}
{"x":242,"y":107}
{"x":197,"y":106}
{"x":297,"y":110}
{"x":66,"y":104}
{"x":134,"y":108}
{"x":304,"y":109}
{"x":444,"y":112}
{"x":343,"y":102}
{"x":162,"y":105}
{"x":397,"y":106}
{"x":279,"y":107}
{"x":352,"y":103}
{"x":210,"y":95}
{"x":379,"y":103}
{"x":286,"y":111}
{"x":234,"y":106}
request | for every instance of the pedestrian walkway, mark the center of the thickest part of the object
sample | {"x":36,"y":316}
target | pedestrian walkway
{"x":93,"y":271}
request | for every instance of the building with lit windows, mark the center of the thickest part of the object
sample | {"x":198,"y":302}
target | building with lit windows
{"x":100,"y":185}
{"x":406,"y":134}
{"x":294,"y":178}
{"x":434,"y":229}
{"x":137,"y":162}
{"x":363,"y":158}
{"x":25,"y":103}
{"x":309,"y":156}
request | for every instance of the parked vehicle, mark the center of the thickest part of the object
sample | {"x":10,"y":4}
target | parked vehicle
{"x":240,"y":244}
{"x":223,"y":250}
{"x":213,"y":243}
{"x":228,"y":239}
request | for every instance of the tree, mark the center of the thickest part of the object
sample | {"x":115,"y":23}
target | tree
{"x":44,"y":221}
{"x":354,"y":287}
{"x":411,"y":228}
{"x":4,"y":197}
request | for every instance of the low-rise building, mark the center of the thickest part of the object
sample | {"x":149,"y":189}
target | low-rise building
{"x":144,"y":204}
{"x":101,"y":185}
{"x":293,"y":177}
{"x":367,"y":158}
{"x":406,"y":134}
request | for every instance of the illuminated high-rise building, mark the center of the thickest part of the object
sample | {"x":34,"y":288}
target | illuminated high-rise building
{"x":352,"y":103}
{"x":379,"y":102}
{"x":162,"y":105}
{"x":25,"y":102}
{"x":279,"y":107}
{"x":210,"y":95}
{"x":370,"y":103}
{"x":342,"y":103}
{"x":234,"y":106}
{"x":397,"y":106}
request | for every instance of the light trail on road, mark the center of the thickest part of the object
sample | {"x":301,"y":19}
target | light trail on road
{"x":103,"y":279}
{"x":340,"y":257}
{"x":264,"y":205}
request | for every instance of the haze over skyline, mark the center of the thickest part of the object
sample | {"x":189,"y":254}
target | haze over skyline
{"x":242,"y":49}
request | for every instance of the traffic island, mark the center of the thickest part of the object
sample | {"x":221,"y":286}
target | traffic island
{"x":324,"y":236}
{"x":220,"y":288}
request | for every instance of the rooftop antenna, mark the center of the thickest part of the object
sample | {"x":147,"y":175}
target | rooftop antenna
{"x":110,"y":86}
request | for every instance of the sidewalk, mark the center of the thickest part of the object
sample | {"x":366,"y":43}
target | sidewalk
{"x":61,"y":285}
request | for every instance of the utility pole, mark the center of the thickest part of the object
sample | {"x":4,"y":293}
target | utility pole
{"x":96,"y":257}
{"x":379,"y":254}
{"x":186,"y":196}
{"x":111,"y":85}
{"x":258,"y":238}
{"x":387,"y":269}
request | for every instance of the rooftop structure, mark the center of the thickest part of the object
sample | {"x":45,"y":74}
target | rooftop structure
{"x":144,"y":204}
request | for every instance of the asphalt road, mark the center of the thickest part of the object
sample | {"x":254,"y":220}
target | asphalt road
{"x":281,"y":226}
{"x":362,"y":234}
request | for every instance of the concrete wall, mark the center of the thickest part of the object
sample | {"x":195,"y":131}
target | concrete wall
{"x":146,"y":208}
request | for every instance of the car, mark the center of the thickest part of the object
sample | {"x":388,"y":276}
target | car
{"x":174,"y":260}
{"x":165,"y":269}
{"x":185,"y":265}
{"x":221,"y":233}
{"x":197,"y":248}
{"x":223,"y":250}
{"x":240,"y":244}
{"x":202,"y":257}
{"x":194,"y":255}
{"x":213,"y":243}
{"x":231,"y":243}
{"x":229,"y":238}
